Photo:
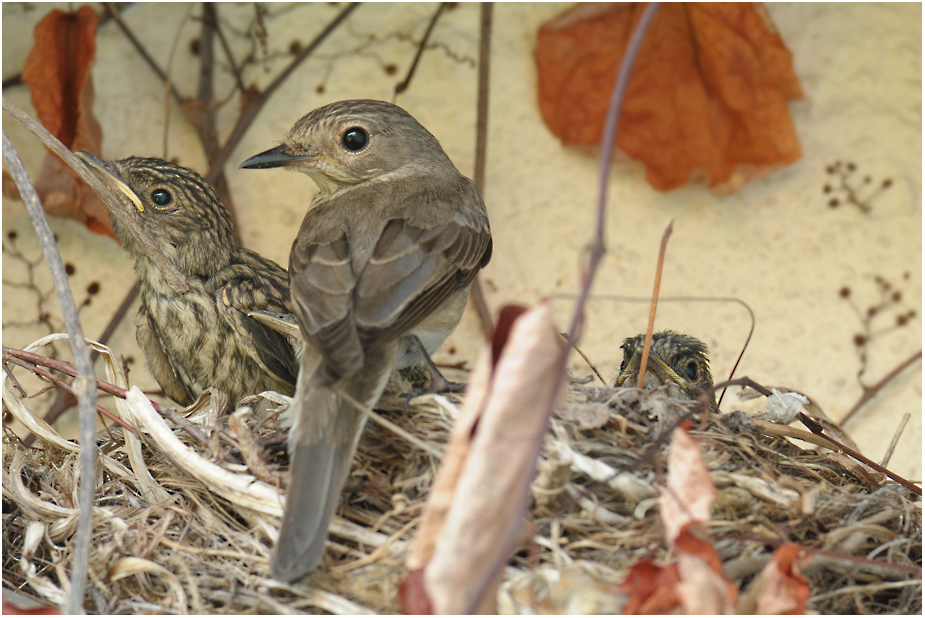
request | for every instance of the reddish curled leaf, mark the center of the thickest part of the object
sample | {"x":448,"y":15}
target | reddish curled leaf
{"x":488,"y":501}
{"x":709,"y":93}
{"x":58,"y":73}
{"x":783,"y":589}
{"x":690,"y":492}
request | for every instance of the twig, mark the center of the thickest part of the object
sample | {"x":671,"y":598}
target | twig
{"x":586,"y":359}
{"x":235,"y":69}
{"x":872,"y":391}
{"x":644,"y":362}
{"x":65,"y":387}
{"x":168,"y":413}
{"x":477,"y":294}
{"x":253,"y":106}
{"x":82,"y":384}
{"x":141,"y":50}
{"x":899,"y":432}
{"x":817,"y":429}
{"x":403,"y":85}
{"x":118,"y":205}
{"x":65,"y":399}
{"x":597,"y":247}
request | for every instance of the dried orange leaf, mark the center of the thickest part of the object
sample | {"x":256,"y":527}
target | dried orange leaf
{"x":58,"y":73}
{"x":709,"y":94}
{"x":783,"y":589}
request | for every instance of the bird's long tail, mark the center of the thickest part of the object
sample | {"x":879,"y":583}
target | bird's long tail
{"x":324,"y":436}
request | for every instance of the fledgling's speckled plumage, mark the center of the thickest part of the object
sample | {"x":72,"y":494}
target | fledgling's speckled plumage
{"x":204,"y":337}
{"x":686,"y":355}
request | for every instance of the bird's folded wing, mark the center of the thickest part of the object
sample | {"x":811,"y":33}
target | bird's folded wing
{"x":159,"y":363}
{"x":271,"y":349}
{"x":414,"y":269}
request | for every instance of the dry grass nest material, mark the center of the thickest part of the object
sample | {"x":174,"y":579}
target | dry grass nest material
{"x":165,"y":542}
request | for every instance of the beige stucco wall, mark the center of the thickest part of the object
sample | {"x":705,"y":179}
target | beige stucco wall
{"x":775,"y":244}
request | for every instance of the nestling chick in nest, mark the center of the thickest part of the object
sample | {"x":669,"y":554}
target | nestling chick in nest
{"x":678,"y":364}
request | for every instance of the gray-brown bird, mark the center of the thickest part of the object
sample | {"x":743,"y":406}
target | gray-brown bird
{"x":387,"y":249}
{"x":204,"y":337}
{"x":677,"y":362}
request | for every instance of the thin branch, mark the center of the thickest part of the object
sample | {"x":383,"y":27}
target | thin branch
{"x":168,"y":413}
{"x":83,"y":384}
{"x":403,"y":85}
{"x":118,"y":205}
{"x":597,"y":247}
{"x":235,"y":69}
{"x":253,"y":106}
{"x":872,"y":391}
{"x":64,"y":400}
{"x":141,"y":50}
{"x":477,"y":294}
{"x":663,"y":247}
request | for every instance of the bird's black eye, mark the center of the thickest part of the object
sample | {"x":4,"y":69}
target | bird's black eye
{"x":355,"y":139}
{"x":691,"y":371}
{"x":161,"y":197}
{"x":623,"y":365}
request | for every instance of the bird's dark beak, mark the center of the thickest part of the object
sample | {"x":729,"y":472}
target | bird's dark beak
{"x":274,"y":157}
{"x":108,"y":173}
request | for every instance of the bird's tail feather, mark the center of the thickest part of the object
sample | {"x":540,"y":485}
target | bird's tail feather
{"x":326,"y":430}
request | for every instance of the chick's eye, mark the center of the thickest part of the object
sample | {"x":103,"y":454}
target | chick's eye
{"x":623,"y":365}
{"x":691,"y":371}
{"x":161,"y":197}
{"x":355,"y":139}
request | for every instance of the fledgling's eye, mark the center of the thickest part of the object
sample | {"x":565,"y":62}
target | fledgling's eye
{"x":355,"y":139}
{"x":623,"y":365}
{"x":691,"y":371}
{"x":161,"y":197}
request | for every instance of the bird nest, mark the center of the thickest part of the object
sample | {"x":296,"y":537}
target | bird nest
{"x":165,"y":540}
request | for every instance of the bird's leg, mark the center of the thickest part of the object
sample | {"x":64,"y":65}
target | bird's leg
{"x":438,"y":383}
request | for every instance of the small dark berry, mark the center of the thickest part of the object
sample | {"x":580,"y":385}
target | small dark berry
{"x":391,"y":69}
{"x":845,"y":292}
{"x":906,"y":275}
{"x":69,"y":269}
{"x":860,"y":340}
{"x":7,"y":417}
{"x":887,"y":183}
{"x":829,"y":169}
{"x":129,"y":360}
{"x":851,"y":167}
{"x":45,"y":317}
{"x":12,"y":234}
{"x":826,"y":189}
{"x":320,"y":89}
{"x":901,"y":320}
{"x":295,"y":48}
{"x":897,"y":296}
{"x":93,"y":288}
{"x":833,"y":203}
{"x":871,"y":312}
{"x":911,"y":313}
{"x":451,"y":351}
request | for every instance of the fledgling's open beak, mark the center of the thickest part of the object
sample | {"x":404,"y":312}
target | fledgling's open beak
{"x":108,"y":173}
{"x":274,"y":157}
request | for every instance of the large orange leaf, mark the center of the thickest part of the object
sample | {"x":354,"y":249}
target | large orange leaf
{"x":708,"y":97}
{"x":58,"y":73}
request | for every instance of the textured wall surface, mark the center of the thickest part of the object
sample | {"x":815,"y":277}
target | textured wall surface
{"x":776,"y":244}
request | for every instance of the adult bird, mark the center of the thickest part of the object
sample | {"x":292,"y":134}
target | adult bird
{"x":677,"y":362}
{"x":201,"y":338}
{"x":387,"y":250}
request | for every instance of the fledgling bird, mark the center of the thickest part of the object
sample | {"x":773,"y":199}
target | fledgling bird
{"x":203,"y":337}
{"x":677,"y":362}
{"x":387,"y":249}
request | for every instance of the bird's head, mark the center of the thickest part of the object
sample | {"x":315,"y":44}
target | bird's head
{"x":676,"y":361}
{"x":349,"y":142}
{"x":175,"y":207}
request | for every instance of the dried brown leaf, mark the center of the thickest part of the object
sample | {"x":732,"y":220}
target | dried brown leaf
{"x":58,"y":73}
{"x":690,"y":492}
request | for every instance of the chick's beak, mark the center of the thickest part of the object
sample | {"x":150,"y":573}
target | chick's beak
{"x":275,"y":157}
{"x":108,"y":173}
{"x":662,"y":370}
